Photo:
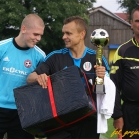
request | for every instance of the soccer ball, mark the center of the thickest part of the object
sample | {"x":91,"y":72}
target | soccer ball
{"x":99,"y":37}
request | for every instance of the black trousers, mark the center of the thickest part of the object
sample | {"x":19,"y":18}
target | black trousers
{"x":10,"y":124}
{"x":85,"y":129}
{"x":131,"y":120}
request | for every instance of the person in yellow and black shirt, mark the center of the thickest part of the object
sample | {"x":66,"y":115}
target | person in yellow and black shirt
{"x":125,"y":74}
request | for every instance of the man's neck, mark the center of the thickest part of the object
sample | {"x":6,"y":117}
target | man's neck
{"x":77,"y":52}
{"x":20,"y":42}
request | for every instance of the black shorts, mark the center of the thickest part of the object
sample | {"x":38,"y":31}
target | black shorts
{"x":85,"y":129}
{"x":10,"y":124}
{"x":131,"y":120}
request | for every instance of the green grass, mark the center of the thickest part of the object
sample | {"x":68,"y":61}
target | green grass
{"x":108,"y":134}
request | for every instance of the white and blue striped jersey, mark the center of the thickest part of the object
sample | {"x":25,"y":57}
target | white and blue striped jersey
{"x":16,"y":64}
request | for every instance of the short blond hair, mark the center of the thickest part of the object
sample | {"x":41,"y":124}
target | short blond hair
{"x":32,"y":19}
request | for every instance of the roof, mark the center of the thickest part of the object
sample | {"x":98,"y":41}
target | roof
{"x":124,"y":16}
{"x":109,"y":13}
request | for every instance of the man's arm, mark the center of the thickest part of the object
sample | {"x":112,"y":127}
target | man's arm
{"x":32,"y":77}
{"x":41,"y":72}
{"x":116,"y":75}
{"x":118,"y":123}
{"x":41,"y":79}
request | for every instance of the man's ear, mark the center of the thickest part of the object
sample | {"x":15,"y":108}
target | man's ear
{"x":131,"y":24}
{"x":23,"y":29}
{"x":83,"y":33}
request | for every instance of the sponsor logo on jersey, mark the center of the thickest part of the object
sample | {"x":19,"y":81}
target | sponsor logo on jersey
{"x":28,"y":63}
{"x":6,"y":59}
{"x":134,"y":67}
{"x":13,"y":70}
{"x":87,"y":66}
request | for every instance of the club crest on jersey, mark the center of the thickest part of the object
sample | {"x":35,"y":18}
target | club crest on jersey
{"x":87,"y":66}
{"x":28,"y":63}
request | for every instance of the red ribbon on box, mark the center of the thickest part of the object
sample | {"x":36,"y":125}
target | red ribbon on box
{"x":53,"y":106}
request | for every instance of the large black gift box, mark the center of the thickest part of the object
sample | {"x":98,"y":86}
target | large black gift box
{"x":63,"y":103}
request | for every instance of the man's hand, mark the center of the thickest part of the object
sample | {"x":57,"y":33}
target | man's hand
{"x":42,"y":80}
{"x":100,"y":71}
{"x":118,"y":123}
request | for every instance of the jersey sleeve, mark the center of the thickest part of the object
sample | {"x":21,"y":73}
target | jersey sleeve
{"x":3,"y":49}
{"x":47,"y":65}
{"x":116,"y":77}
{"x":40,"y":55}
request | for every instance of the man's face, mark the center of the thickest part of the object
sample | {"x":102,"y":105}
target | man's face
{"x":32,"y":35}
{"x":71,"y":35}
{"x":135,"y":23}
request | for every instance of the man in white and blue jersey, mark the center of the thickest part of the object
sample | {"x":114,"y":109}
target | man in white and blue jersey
{"x":19,"y":56}
{"x":76,"y":53}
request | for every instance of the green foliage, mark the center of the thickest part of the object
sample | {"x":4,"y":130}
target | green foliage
{"x":11,"y":16}
{"x":53,"y":12}
{"x":129,"y":5}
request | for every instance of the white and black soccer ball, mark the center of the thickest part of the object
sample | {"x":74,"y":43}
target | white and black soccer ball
{"x":99,"y":37}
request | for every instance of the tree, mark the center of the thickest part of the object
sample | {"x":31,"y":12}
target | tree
{"x":129,"y":5}
{"x":53,"y":12}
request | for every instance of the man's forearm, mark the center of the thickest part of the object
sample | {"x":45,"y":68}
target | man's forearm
{"x":32,"y":77}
